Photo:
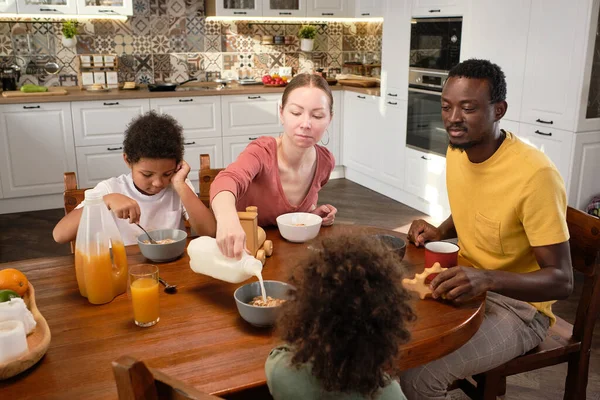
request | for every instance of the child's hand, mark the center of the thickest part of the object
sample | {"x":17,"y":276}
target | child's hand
{"x":181,"y":173}
{"x":124,"y":207}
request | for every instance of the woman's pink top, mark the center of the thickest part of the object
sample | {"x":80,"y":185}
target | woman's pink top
{"x":254,"y":180}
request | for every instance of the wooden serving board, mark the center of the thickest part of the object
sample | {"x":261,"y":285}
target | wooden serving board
{"x":38,"y":341}
{"x":365,"y":83}
{"x":52,"y":91}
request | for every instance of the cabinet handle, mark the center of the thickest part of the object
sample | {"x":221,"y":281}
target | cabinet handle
{"x":188,"y":143}
{"x":422,"y":125}
{"x":252,"y":138}
{"x":30,"y":107}
{"x":393,"y":94}
{"x":240,"y":13}
{"x":48,"y":9}
{"x":253,"y":97}
{"x":330,"y":14}
{"x":106,"y":11}
{"x":361,"y":97}
{"x":285,"y":13}
{"x":434,"y":11}
{"x":393,"y":103}
{"x":541,"y":121}
{"x":114,"y":148}
{"x":185,"y":100}
{"x":543,"y":133}
{"x":425,"y":158}
{"x":365,"y":14}
{"x":112,"y":104}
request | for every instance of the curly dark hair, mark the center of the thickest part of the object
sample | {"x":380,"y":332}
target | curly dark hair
{"x":153,"y":135}
{"x":348,"y":315}
{"x":483,"y":69}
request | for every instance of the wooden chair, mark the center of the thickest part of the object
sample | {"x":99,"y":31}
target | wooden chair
{"x":135,"y":381}
{"x":72,"y":196}
{"x":206,"y":176}
{"x":564,"y":342}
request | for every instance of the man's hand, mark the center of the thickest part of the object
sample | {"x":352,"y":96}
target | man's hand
{"x":421,"y":231}
{"x":327,"y":212}
{"x":123,"y":207}
{"x":461,"y":284}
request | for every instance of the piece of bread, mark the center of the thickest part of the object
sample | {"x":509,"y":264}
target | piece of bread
{"x":97,"y":86}
{"x":129,"y":85}
{"x":417,"y":284}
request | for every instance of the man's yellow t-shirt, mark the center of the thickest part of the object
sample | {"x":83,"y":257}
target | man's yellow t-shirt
{"x":505,"y":205}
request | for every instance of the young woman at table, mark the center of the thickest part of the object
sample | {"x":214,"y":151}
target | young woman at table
{"x":157,"y":193}
{"x":279,"y":175}
{"x":344,"y":325}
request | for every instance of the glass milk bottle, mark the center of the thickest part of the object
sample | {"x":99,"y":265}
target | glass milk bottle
{"x":100,"y":258}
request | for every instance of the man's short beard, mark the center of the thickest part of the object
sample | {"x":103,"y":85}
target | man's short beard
{"x":464,"y":146}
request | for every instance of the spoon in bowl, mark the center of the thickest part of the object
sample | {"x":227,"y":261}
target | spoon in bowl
{"x":170,"y":289}
{"x":149,"y":237}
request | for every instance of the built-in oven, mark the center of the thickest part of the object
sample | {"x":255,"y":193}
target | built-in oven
{"x":435,"y":43}
{"x":425,"y":129}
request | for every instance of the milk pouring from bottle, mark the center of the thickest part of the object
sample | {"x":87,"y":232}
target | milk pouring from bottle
{"x":207,"y":259}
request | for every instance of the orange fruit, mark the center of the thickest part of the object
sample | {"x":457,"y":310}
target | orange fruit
{"x":13,"y":279}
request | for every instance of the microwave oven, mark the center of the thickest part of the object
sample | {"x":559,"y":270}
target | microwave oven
{"x":435,"y":43}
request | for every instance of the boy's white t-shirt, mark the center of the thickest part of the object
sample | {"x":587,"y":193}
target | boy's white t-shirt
{"x":163,"y":210}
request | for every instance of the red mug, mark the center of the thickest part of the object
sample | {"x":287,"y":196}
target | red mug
{"x":445,"y":253}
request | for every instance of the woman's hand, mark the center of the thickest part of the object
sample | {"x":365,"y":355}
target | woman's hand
{"x":123,"y":207}
{"x":181,"y":173}
{"x":231,"y":237}
{"x":327,"y":212}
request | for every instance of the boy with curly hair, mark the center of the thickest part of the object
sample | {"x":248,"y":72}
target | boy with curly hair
{"x":157,"y":193}
{"x":343,"y":325}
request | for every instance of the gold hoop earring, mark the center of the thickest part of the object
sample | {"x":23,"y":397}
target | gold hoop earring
{"x":323,"y":143}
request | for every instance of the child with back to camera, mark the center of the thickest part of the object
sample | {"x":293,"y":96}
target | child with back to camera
{"x":343,"y":326}
{"x":156,"y":193}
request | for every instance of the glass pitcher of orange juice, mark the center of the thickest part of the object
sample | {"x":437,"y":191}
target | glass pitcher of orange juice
{"x":100,"y":259}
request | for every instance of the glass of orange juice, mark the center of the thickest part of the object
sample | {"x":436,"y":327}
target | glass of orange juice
{"x":143,"y":285}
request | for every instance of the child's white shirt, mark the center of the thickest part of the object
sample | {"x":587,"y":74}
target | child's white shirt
{"x":163,"y":210}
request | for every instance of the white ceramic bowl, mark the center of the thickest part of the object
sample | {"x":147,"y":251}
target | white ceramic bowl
{"x":299,"y":227}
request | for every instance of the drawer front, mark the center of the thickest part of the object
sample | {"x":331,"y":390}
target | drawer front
{"x":251,"y":114}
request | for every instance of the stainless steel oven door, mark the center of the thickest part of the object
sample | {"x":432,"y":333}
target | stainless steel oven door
{"x":425,"y":129}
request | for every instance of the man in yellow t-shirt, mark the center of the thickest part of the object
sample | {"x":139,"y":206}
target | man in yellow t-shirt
{"x":508,"y":206}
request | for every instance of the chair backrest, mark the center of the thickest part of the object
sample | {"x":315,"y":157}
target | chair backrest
{"x":135,"y":381}
{"x":72,"y":196}
{"x":206,"y":176}
{"x":584,"y":230}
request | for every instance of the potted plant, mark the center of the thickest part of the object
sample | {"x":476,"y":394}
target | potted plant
{"x":69,"y":30}
{"x":307,"y":34}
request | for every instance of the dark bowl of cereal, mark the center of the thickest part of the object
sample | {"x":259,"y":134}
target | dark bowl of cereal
{"x":392,"y":243}
{"x":252,"y":307}
{"x":170,"y":244}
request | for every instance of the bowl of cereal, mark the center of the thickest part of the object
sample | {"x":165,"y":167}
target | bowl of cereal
{"x":299,"y":227}
{"x":170,"y":244}
{"x":253,"y":309}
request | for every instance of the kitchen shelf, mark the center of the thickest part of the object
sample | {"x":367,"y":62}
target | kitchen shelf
{"x":321,"y":24}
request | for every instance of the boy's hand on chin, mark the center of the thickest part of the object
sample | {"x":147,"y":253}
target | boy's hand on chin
{"x":181,"y":173}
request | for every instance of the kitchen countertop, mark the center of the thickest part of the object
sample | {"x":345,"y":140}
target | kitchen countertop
{"x":202,"y":89}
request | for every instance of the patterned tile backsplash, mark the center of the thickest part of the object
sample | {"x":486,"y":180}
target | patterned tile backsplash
{"x":170,"y":40}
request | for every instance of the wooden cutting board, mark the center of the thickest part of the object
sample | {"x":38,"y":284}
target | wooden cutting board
{"x":52,"y":91}
{"x":358,"y":82}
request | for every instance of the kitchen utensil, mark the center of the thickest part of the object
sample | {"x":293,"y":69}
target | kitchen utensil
{"x":52,"y":66}
{"x":170,"y":289}
{"x":149,"y":237}
{"x":167,"y":87}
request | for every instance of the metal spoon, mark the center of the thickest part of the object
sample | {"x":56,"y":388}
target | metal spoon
{"x":149,"y":237}
{"x":170,"y":289}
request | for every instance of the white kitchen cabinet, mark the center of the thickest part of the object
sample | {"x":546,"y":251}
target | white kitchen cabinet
{"x":369,"y":8}
{"x":393,"y":143}
{"x":284,"y":8}
{"x":233,"y":8}
{"x":104,"y":122}
{"x":362,"y":119}
{"x":211,"y":146}
{"x":509,"y":50}
{"x":332,"y":138}
{"x":425,"y":177}
{"x":555,"y":143}
{"x":395,"y":50}
{"x":253,"y":114}
{"x":1,"y":195}
{"x":112,"y":7}
{"x":8,"y":6}
{"x":55,"y":7}
{"x":329,"y":8}
{"x":438,"y":8}
{"x":199,"y":116}
{"x":97,"y":163}
{"x":556,"y":45}
{"x":585,"y":174}
{"x":36,"y":148}
{"x":234,"y":145}
{"x":511,"y":126}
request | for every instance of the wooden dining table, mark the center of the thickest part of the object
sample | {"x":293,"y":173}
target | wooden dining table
{"x":200,"y":338}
